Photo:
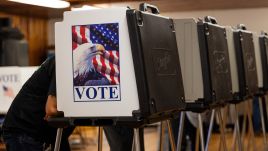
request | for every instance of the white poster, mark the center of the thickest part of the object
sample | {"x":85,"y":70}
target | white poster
{"x":94,"y":65}
{"x":11,"y":81}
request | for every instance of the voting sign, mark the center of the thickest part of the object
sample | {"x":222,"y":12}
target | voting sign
{"x":95,"y":51}
{"x":11,"y":81}
{"x":94,"y":66}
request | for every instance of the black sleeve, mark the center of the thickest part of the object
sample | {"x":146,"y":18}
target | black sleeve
{"x":52,"y":75}
{"x":52,"y":86}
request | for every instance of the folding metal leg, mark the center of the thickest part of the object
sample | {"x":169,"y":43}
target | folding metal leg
{"x":237,"y":131}
{"x":251,"y":126}
{"x":200,"y":125}
{"x":162,"y":136}
{"x":210,"y":128}
{"x":234,"y":140}
{"x":244,"y":124}
{"x":266,"y":104}
{"x":223,"y":140}
{"x":100,"y":139}
{"x":58,"y":139}
{"x":171,"y":136}
{"x":263,"y":123}
{"x":180,"y":133}
{"x":136,"y":140}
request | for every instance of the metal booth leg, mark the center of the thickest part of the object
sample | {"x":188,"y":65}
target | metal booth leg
{"x":244,"y":123}
{"x":181,"y":127}
{"x":58,"y":139}
{"x":250,"y":121}
{"x":237,"y":134}
{"x":200,"y":125}
{"x":100,"y":138}
{"x":266,"y":104}
{"x":234,"y":140}
{"x":136,"y":140}
{"x":223,"y":140}
{"x":237,"y":128}
{"x":171,"y":136}
{"x":261,"y":99}
{"x":162,"y":135}
{"x":210,"y":128}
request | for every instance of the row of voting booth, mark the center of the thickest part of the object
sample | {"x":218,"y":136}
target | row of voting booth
{"x":122,"y":66}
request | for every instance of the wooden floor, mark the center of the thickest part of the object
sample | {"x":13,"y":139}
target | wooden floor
{"x":85,"y":139}
{"x":152,"y":142}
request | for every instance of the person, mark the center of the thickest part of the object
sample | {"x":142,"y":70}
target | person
{"x":25,"y":127}
{"x":120,"y":138}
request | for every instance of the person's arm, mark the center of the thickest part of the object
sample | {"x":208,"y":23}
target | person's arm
{"x":51,"y":106}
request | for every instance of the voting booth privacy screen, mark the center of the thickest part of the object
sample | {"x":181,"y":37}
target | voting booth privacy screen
{"x":11,"y":81}
{"x":204,"y":59}
{"x":258,"y":59}
{"x":110,"y":63}
{"x":246,"y":62}
{"x":263,"y":42}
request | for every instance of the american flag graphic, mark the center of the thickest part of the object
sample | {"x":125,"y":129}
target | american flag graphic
{"x":107,"y":35}
{"x":8,"y":91}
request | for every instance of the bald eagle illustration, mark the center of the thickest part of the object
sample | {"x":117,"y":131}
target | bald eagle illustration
{"x":84,"y":70}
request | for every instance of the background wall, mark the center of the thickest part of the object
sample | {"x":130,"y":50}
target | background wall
{"x":35,"y":32}
{"x":254,"y":19}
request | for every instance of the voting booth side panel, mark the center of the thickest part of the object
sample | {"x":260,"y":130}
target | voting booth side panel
{"x":263,"y":42}
{"x":159,"y":56}
{"x":138,"y":61}
{"x":232,"y":59}
{"x":209,"y":96}
{"x":219,"y":63}
{"x":240,"y":65}
{"x":188,"y":49}
{"x":250,"y":62}
{"x":258,"y":61}
{"x":94,"y":68}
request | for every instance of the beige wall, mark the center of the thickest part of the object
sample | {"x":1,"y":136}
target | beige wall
{"x":254,"y":19}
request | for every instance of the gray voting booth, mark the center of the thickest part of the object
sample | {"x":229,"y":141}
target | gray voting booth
{"x":206,"y":72}
{"x":147,"y":80}
{"x":204,"y":58}
{"x":149,"y":75}
{"x":118,"y":69}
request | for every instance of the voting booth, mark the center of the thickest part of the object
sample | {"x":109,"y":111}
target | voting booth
{"x":204,"y":60}
{"x":259,"y":66}
{"x":11,"y":81}
{"x":263,"y":43}
{"x":116,"y":65}
{"x":243,"y":62}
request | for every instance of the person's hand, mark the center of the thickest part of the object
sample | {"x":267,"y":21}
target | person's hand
{"x":51,"y":107}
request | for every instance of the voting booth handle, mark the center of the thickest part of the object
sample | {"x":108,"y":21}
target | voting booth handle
{"x":145,"y":6}
{"x":264,"y":33}
{"x":241,"y":26}
{"x":210,"y":19}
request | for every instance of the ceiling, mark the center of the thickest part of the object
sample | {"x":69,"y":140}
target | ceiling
{"x":163,"y":5}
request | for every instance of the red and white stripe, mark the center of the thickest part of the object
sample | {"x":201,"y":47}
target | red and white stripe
{"x":80,"y":35}
{"x":108,"y":65}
